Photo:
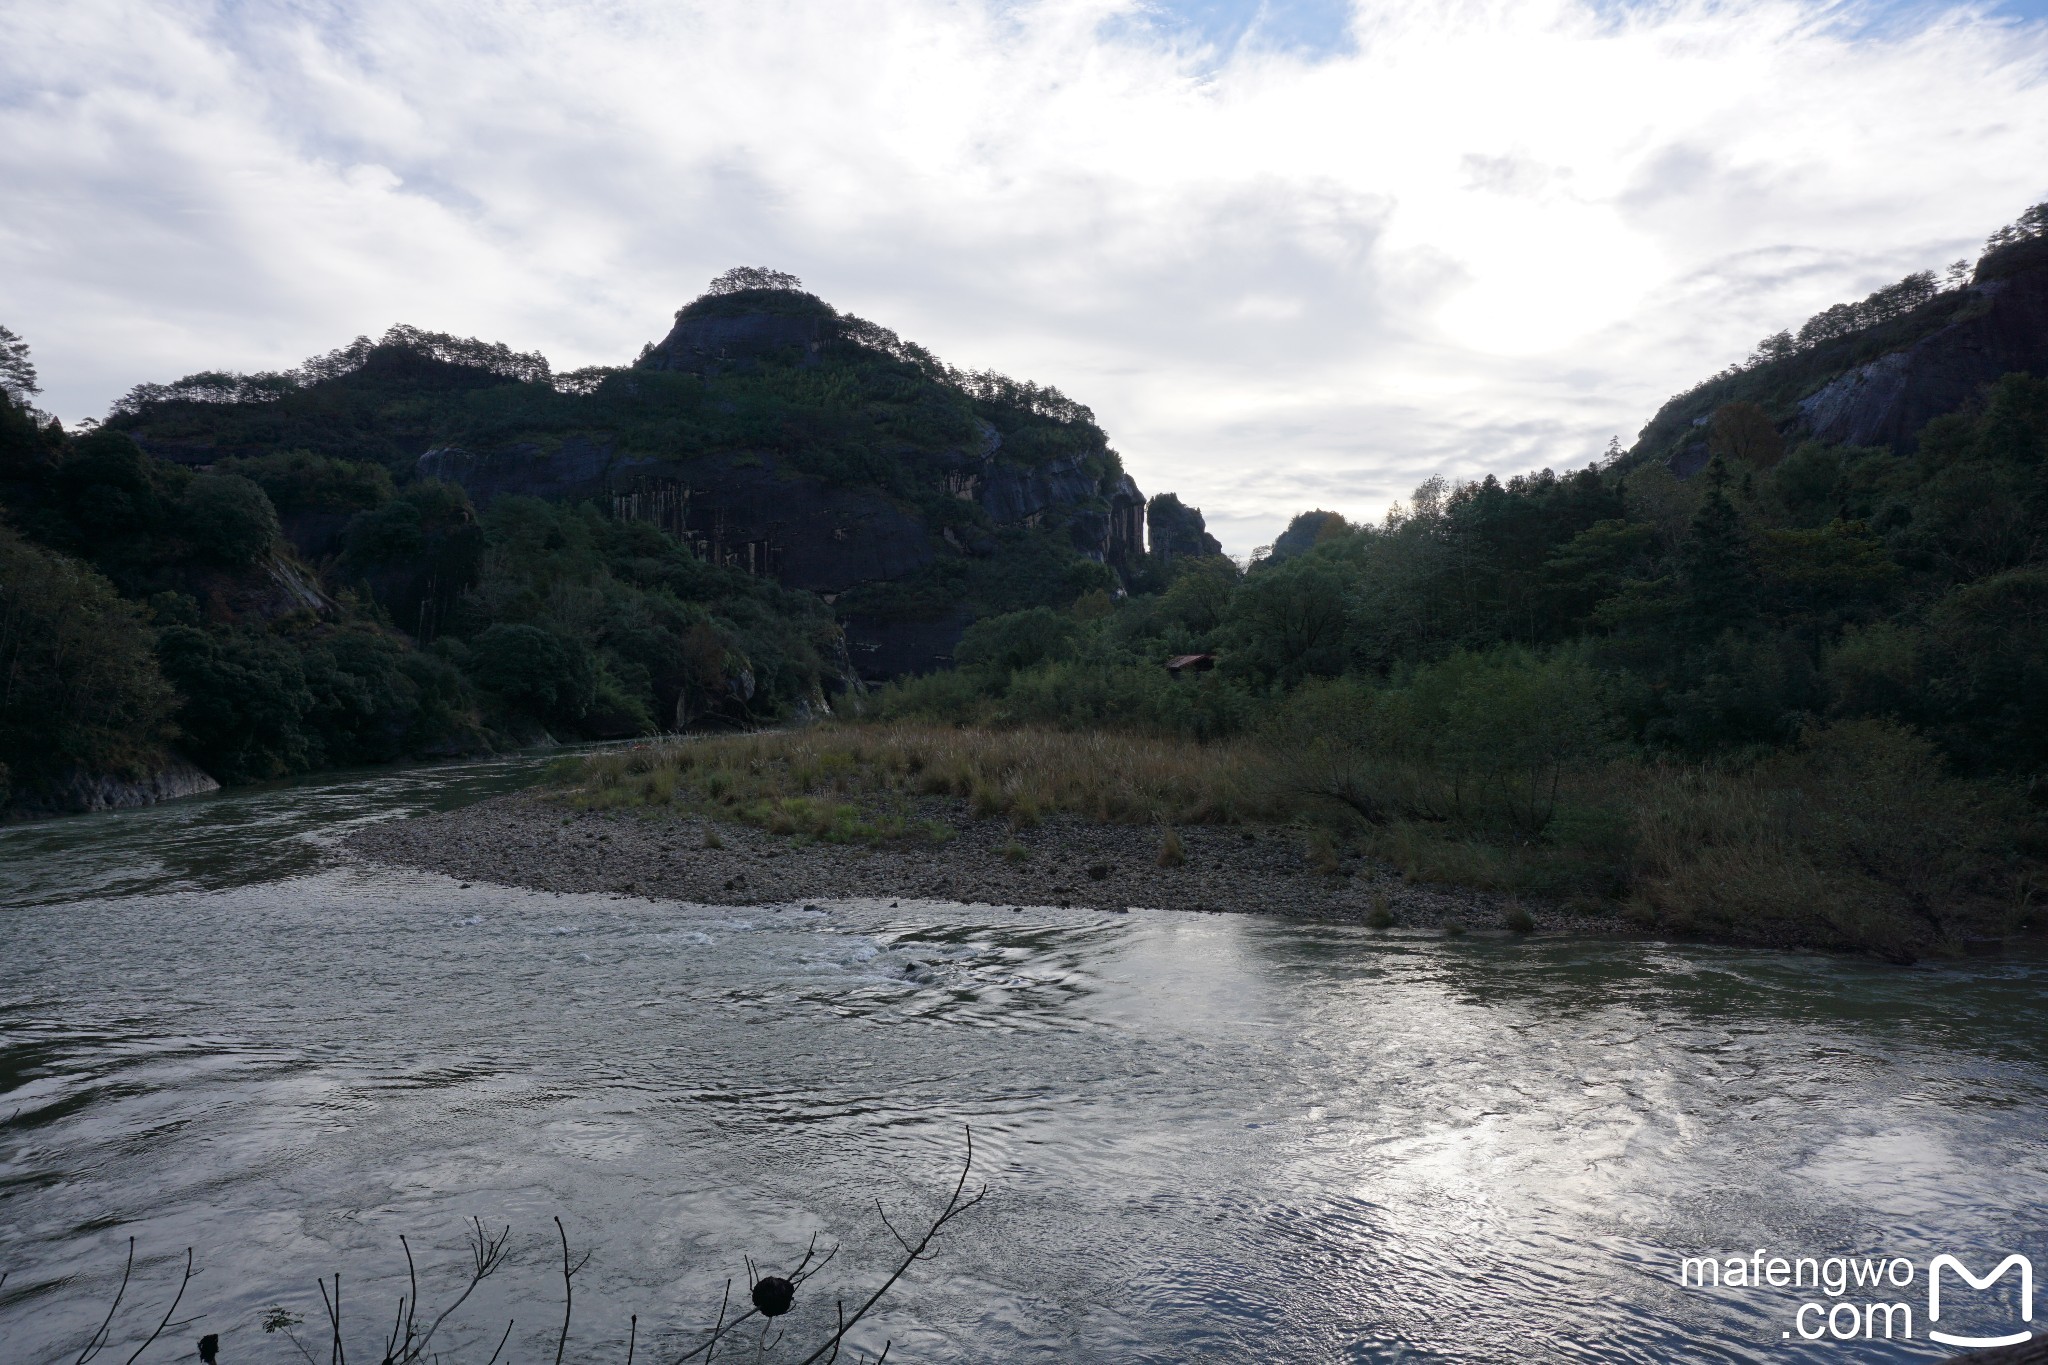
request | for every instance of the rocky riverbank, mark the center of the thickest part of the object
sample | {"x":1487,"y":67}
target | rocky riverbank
{"x":529,"y":840}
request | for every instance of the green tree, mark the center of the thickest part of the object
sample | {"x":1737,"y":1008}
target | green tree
{"x":79,"y":688}
{"x":109,"y":488}
{"x":543,"y":672}
{"x":17,"y":371}
{"x":1716,"y":567}
{"x":1290,"y":619}
{"x":1199,"y":596}
{"x":1745,"y":434}
{"x":301,"y":481}
{"x":1001,"y":645}
{"x":245,"y":701}
{"x":1305,"y":532}
{"x":229,"y":520}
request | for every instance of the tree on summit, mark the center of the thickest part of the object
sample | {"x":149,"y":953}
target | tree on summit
{"x":742,"y":278}
{"x":17,"y":371}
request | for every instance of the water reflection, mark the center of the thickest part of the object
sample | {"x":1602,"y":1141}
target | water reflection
{"x":1209,"y":1137}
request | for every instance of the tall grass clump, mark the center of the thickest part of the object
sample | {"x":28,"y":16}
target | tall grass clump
{"x":1499,"y":774}
{"x":863,"y":781}
{"x":1859,"y":838}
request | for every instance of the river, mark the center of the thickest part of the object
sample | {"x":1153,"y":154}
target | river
{"x":1205,"y":1137}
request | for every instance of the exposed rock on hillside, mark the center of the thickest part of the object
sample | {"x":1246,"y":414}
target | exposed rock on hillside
{"x":1888,"y":400}
{"x":750,"y":511}
{"x":78,"y":792}
{"x":1881,"y":384}
{"x":1178,"y":531}
{"x":767,"y":431}
{"x":720,"y":332}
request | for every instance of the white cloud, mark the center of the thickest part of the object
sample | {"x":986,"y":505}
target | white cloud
{"x":1484,"y":238}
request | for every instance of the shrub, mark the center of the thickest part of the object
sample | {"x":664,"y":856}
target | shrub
{"x":1859,"y":838}
{"x":245,"y":701}
{"x":79,"y":686}
{"x":537,"y":670}
{"x":1172,"y":852}
{"x":228,"y":519}
{"x":1017,"y":641}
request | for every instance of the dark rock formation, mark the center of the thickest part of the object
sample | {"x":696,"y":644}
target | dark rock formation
{"x":713,"y":341}
{"x":1879,"y":386}
{"x":745,"y":510}
{"x":1888,"y":400}
{"x":77,"y":792}
{"x":1126,"y":541}
{"x":1178,"y":530}
{"x":1105,"y":517}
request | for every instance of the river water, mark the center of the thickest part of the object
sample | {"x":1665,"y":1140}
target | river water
{"x":1205,"y":1137}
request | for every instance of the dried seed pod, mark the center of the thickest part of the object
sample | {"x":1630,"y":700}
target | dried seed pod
{"x":773,"y":1295}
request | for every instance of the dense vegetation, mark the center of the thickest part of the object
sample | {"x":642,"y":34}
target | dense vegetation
{"x":1795,"y":696}
{"x":1798,"y":694}
{"x":250,"y":568}
{"x":147,"y":605}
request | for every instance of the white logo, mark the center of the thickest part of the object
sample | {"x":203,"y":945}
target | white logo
{"x":1934,"y":1298}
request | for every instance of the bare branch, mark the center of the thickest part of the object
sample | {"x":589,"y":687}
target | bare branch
{"x":99,"y":1338}
{"x":339,"y":1354}
{"x":179,"y":1298}
{"x":954,"y":1208}
{"x":568,"y":1289}
{"x":804,"y":1269}
{"x":889,"y":1225}
{"x":721,"y":1330}
{"x":486,"y":1254}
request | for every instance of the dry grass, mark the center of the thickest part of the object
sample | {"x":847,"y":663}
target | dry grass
{"x":1859,"y":840}
{"x":1856,"y":840}
{"x":843,"y":783}
{"x":1172,"y":852}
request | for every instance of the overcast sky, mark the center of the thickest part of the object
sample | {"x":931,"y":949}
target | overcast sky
{"x":1295,"y":254}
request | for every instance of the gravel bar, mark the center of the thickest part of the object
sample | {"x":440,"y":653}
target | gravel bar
{"x":528,"y":840}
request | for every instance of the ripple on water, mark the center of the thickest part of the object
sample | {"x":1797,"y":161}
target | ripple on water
{"x":1206,"y":1137}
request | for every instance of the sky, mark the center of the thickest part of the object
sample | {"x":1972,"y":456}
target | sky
{"x":1295,"y":254}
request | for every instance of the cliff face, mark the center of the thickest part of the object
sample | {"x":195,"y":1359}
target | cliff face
{"x":795,"y":479}
{"x":754,"y":511}
{"x":78,"y":792}
{"x":1178,"y":531}
{"x":749,"y":511}
{"x":767,"y":431}
{"x":1881,"y":385}
{"x":719,"y":341}
{"x":1888,"y":400}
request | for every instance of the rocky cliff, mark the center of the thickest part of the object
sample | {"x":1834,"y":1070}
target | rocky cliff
{"x":77,"y":792}
{"x":746,"y":509}
{"x":1177,"y":531}
{"x":767,"y":431}
{"x":980,"y":469}
{"x":1879,"y":385}
{"x":2002,"y":329}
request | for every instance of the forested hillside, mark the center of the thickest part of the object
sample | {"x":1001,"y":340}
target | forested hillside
{"x":426,"y":545}
{"x":1839,"y":651}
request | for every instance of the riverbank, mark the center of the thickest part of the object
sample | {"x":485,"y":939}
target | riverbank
{"x":1855,"y":842}
{"x":539,"y":841}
